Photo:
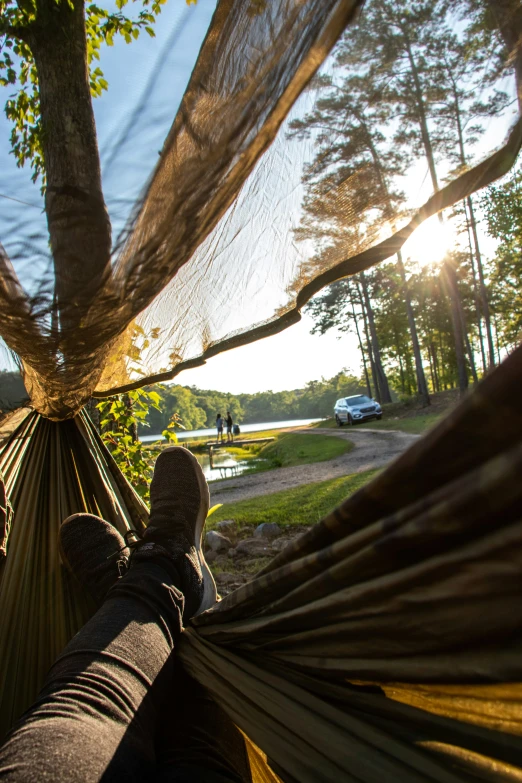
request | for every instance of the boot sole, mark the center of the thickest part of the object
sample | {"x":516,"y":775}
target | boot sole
{"x":209,"y":586}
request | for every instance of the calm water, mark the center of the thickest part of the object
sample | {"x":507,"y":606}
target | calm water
{"x":226,"y":465}
{"x":211,"y":432}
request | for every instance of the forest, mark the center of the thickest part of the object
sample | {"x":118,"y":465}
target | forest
{"x":416,"y":84}
{"x":198,"y":408}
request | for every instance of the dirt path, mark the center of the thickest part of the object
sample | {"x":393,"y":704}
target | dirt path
{"x":373,"y":449}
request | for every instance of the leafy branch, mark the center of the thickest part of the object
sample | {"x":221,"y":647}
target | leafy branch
{"x":18,"y":22}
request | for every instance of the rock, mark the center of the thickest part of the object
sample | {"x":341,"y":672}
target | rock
{"x":226,"y":524}
{"x":252,"y":547}
{"x":232,"y":552}
{"x":267,"y":530}
{"x":217,"y":542}
{"x":210,"y":556}
{"x":279,"y":544}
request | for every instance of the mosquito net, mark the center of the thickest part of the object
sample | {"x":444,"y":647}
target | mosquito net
{"x":261,"y":197}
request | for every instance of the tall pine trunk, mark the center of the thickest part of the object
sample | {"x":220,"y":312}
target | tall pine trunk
{"x":361,"y":347}
{"x":422,"y":386}
{"x":476,"y":295}
{"x":384,"y":388}
{"x":456,"y":304}
{"x":373,"y":369}
{"x":450,"y":279}
{"x":482,"y":285}
{"x":475,"y":253}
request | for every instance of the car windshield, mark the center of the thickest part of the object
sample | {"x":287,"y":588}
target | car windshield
{"x":361,"y":399}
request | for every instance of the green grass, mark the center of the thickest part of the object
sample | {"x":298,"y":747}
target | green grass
{"x":304,"y":505}
{"x":299,"y":449}
{"x":325,"y":424}
{"x":416,"y":425}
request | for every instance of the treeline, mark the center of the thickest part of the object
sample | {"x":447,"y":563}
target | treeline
{"x":198,"y":408}
{"x":415,"y":82}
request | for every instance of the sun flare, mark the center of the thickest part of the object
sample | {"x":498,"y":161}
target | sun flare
{"x":430,"y":242}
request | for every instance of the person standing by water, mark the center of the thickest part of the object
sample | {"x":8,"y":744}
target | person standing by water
{"x":230,"y":435}
{"x":219,"y":426}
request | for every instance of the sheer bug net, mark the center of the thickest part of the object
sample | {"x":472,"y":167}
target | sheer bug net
{"x":279,"y":178}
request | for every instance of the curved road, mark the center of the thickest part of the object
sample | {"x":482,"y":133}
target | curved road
{"x":373,"y":449}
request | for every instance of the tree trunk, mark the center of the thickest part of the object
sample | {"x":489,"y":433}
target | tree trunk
{"x":401,"y":374}
{"x":79,"y":227}
{"x":476,"y":296}
{"x":369,"y":346}
{"x":363,"y":352}
{"x":450,"y":279}
{"x":422,"y":386}
{"x":383,"y":381}
{"x":483,"y":290}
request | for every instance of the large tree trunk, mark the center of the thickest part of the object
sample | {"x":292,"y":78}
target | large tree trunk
{"x":79,"y":226}
{"x":78,"y":221}
{"x":422,"y":386}
{"x":384,"y":388}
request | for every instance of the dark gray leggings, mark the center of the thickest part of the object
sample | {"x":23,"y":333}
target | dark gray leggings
{"x":118,"y":707}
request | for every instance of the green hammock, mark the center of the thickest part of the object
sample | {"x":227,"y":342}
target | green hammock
{"x":383,"y":644}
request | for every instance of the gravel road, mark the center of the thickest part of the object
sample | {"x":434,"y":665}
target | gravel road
{"x":373,"y":449}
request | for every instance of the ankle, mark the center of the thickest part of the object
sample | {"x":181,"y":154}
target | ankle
{"x":181,"y":566}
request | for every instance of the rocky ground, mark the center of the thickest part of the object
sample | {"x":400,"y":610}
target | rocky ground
{"x":235,"y":554}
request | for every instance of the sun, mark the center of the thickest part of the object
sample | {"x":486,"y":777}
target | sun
{"x":430,"y":242}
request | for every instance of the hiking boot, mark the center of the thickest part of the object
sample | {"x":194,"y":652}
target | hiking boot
{"x":179,"y":502}
{"x":94,"y":552}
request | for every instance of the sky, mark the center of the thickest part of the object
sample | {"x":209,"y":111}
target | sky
{"x":147,"y":80}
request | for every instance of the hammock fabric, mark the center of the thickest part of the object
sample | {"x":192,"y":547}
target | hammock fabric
{"x":385,"y":644}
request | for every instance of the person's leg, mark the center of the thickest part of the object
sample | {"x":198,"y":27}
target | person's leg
{"x":198,"y":741}
{"x":96,"y":717}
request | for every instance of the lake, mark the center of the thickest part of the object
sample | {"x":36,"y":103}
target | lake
{"x":211,"y":431}
{"x":225,"y":465}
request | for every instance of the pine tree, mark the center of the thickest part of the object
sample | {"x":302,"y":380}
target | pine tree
{"x":350,"y":178}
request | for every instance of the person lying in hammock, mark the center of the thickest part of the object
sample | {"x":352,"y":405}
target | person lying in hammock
{"x":117,"y":706}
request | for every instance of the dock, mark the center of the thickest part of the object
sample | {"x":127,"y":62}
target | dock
{"x":211,"y":444}
{"x":214,"y":445}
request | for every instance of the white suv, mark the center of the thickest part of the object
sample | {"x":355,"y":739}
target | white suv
{"x":359,"y":407}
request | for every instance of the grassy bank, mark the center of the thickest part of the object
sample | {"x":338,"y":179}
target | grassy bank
{"x":290,"y":449}
{"x":304,"y":505}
